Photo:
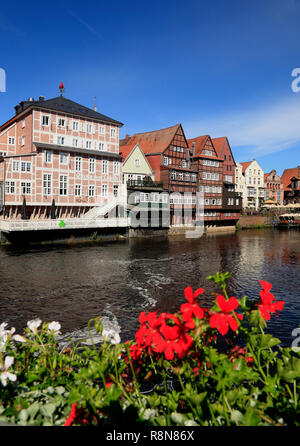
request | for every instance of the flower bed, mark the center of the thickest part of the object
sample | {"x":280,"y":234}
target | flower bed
{"x":183,"y":369}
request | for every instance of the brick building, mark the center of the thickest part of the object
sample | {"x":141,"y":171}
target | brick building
{"x":168,"y":154}
{"x":273,"y":187}
{"x":58,"y":150}
{"x":291,"y":185}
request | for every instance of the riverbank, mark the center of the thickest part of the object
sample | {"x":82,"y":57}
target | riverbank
{"x":255,"y":222}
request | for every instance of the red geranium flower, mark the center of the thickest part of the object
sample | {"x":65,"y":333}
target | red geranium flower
{"x":71,"y":416}
{"x":191,"y":308}
{"x":267,"y":303}
{"x":227,"y":317}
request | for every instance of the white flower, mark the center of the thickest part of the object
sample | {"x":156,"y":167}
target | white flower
{"x":111,"y":336}
{"x":5,"y":375}
{"x":55,"y":327}
{"x":4,"y":335}
{"x":2,"y":327}
{"x":19,"y":338}
{"x":34,"y":324}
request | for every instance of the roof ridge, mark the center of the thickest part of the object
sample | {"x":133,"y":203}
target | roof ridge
{"x":155,"y":131}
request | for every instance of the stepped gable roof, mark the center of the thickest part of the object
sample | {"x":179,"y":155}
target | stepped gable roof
{"x":154,"y":142}
{"x":65,"y":105}
{"x":287,"y":175}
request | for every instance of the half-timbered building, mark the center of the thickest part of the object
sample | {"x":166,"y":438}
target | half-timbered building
{"x":168,"y":153}
{"x":58,"y":151}
{"x":232,"y":199}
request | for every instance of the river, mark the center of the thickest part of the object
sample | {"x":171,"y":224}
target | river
{"x":117,"y":280}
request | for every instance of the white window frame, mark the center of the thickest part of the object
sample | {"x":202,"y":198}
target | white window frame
{"x":104,"y":190}
{"x":91,"y":190}
{"x":47,"y":184}
{"x":116,"y":188}
{"x":78,"y":163}
{"x":45,"y":118}
{"x":15,"y":166}
{"x":61,"y":122}
{"x":116,"y":167}
{"x":104,"y":166}
{"x":77,"y":190}
{"x":92,"y":165}
{"x":61,"y":140}
{"x":25,"y":188}
{"x":48,"y":156}
{"x":10,"y":187}
{"x":75,"y":126}
{"x":63,"y":185}
{"x":63,"y":158}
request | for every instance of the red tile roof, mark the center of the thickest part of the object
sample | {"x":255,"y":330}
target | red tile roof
{"x":156,"y":141}
{"x":287,"y":175}
{"x":245,"y":165}
{"x":219,"y":144}
{"x":199,"y":143}
{"x":126,"y":150}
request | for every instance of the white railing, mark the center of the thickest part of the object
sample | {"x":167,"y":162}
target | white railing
{"x":67,"y":223}
{"x":100,"y":211}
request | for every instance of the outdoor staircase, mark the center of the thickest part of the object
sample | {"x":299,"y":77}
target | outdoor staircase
{"x":101,"y":211}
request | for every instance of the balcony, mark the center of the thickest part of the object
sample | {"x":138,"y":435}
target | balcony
{"x":145,"y":183}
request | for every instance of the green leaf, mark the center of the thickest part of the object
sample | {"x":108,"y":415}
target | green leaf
{"x":197,"y":398}
{"x":23,"y":415}
{"x":48,"y":409}
{"x":251,"y":418}
{"x":33,"y":410}
{"x":263,"y":341}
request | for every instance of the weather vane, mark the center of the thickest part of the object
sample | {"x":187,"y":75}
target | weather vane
{"x":61,"y":88}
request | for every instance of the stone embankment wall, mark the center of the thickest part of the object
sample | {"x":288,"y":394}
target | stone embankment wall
{"x":253,"y":221}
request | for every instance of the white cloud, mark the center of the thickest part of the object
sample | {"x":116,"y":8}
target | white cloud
{"x":258,"y":132}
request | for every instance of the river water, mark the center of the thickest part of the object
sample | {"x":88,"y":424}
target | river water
{"x":118,"y":280}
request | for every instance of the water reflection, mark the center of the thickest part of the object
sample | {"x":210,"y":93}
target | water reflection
{"x":71,"y":284}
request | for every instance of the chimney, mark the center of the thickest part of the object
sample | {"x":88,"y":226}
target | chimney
{"x":298,"y":167}
{"x":193,"y":146}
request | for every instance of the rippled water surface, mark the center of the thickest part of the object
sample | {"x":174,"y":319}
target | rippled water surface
{"x":118,"y":280}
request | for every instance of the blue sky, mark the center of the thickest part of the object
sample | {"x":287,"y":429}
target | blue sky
{"x":217,"y":67}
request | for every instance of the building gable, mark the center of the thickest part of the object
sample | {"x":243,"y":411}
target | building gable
{"x":136,"y":162}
